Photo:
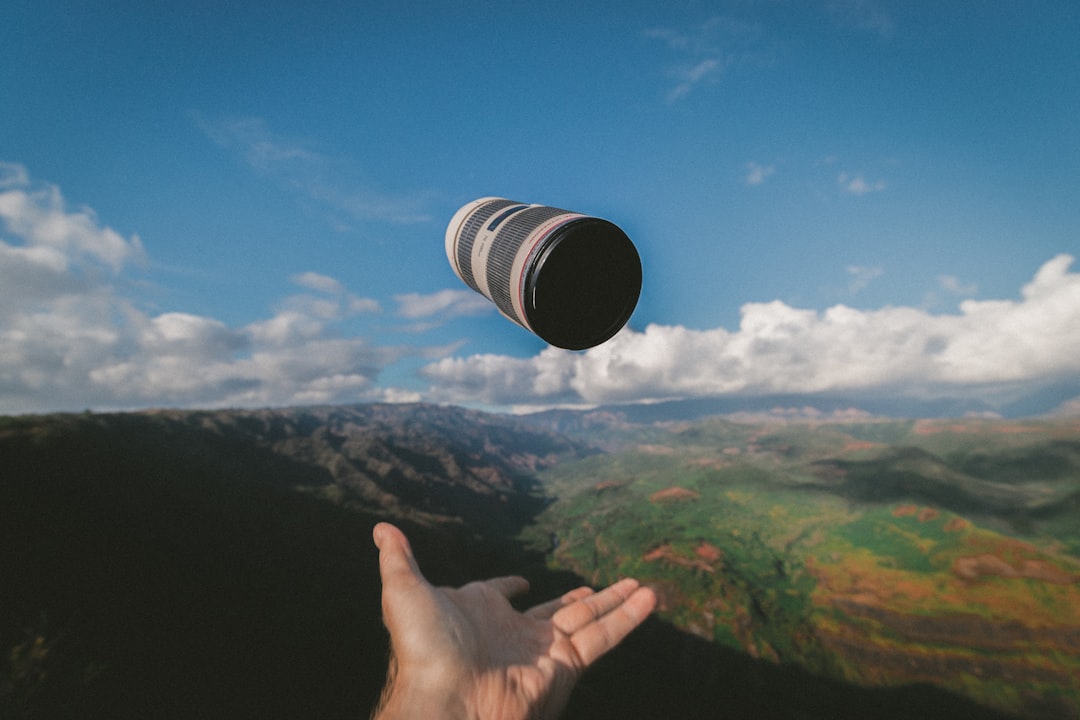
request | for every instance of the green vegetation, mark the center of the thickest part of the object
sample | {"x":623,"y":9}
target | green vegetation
{"x":219,"y":564}
{"x":882,"y":553}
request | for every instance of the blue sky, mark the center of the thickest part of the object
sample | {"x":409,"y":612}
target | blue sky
{"x":208,"y":205}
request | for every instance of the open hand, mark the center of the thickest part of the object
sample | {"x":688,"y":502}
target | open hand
{"x":466,"y":653}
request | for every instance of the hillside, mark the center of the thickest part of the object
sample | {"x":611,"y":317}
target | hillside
{"x":219,"y":564}
{"x":151,"y":554}
{"x":884,"y":553}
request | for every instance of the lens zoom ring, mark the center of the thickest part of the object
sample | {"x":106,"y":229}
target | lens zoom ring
{"x":500,"y":262}
{"x":467,"y":236}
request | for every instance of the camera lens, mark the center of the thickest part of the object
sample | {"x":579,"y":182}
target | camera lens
{"x":571,"y":279}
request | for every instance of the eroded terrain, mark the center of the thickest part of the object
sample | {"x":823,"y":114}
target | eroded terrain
{"x":880,"y":553}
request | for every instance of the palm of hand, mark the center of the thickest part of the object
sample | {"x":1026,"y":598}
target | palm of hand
{"x":499,"y":662}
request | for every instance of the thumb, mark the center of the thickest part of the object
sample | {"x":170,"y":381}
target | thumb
{"x":396,"y":561}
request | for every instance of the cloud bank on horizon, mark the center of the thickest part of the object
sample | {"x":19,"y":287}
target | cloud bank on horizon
{"x":990,"y":349}
{"x":77,"y":331}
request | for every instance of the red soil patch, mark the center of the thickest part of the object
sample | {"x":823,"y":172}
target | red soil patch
{"x":673,"y":493}
{"x":649,"y":449}
{"x":924,"y":514}
{"x":975,"y":567}
{"x":708,"y":552}
{"x":666,"y":554}
{"x":658,"y":553}
{"x":956,"y":524}
{"x":606,"y":485}
{"x":1001,"y":546}
{"x":856,"y":445}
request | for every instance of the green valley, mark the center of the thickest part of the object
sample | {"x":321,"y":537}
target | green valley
{"x":219,"y":564}
{"x":883,"y":553}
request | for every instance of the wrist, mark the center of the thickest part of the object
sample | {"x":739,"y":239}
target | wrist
{"x":417,"y":698}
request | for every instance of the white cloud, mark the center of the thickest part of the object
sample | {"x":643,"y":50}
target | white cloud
{"x":986,"y":347}
{"x":757,"y":174}
{"x":69,"y":340}
{"x":261,"y":148}
{"x":858,"y":185}
{"x":1069,"y":408}
{"x":704,"y":51}
{"x":315,"y":176}
{"x":444,"y":303}
{"x":341,"y":303}
{"x":953,"y":285}
{"x":862,"y":276}
{"x":321,"y":283}
{"x":190,"y":337}
{"x":691,"y":75}
{"x":51,"y":234}
{"x":949,"y":287}
{"x":674,"y":39}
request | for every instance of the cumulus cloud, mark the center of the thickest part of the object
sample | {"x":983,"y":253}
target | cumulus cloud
{"x":317,"y":281}
{"x":779,"y":349}
{"x":432,"y":310}
{"x":341,"y":303}
{"x":1069,"y":408}
{"x":52,"y":235}
{"x":444,"y":303}
{"x":69,"y":339}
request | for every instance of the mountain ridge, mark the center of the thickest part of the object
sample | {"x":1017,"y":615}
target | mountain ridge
{"x":219,"y":563}
{"x":817,"y":407}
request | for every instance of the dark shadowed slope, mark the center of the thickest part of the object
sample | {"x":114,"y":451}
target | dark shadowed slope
{"x":220,"y":565}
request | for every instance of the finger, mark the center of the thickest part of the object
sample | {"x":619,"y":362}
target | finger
{"x":396,"y":561}
{"x":508,"y":586}
{"x":545,"y":611}
{"x":577,"y":615}
{"x":597,"y":638}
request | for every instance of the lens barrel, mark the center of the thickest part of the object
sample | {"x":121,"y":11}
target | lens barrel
{"x":571,"y":279}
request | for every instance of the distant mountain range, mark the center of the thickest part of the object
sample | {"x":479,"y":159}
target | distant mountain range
{"x":219,"y":564}
{"x":835,"y":406}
